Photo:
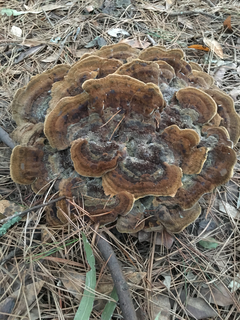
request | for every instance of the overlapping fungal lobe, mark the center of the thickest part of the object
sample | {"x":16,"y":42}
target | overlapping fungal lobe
{"x":133,"y":137}
{"x":31,"y":102}
{"x":85,"y":69}
{"x":100,"y":210}
{"x":229,"y":117}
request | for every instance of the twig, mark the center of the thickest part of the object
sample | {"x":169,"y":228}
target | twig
{"x":154,"y":43}
{"x":4,"y":136}
{"x":181,"y":13}
{"x":22,"y":213}
{"x":209,"y":2}
{"x":120,"y":283}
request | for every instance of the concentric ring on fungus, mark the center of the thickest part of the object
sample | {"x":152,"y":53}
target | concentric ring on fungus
{"x":135,"y":137}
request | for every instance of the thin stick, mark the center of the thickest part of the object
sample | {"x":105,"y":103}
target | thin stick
{"x":120,"y":283}
{"x":116,"y":127}
{"x":4,"y":136}
{"x":22,"y":213}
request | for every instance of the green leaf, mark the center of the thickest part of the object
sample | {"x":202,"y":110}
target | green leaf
{"x":110,"y":306}
{"x":158,"y":315}
{"x":209,"y":243}
{"x":11,"y":12}
{"x":86,"y":304}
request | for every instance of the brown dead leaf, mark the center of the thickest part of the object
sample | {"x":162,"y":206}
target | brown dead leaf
{"x":31,"y":42}
{"x":74,"y":282}
{"x":161,"y":307}
{"x":217,"y":293}
{"x":8,"y":208}
{"x":227,"y":24}
{"x":136,"y":43}
{"x":25,"y":297}
{"x":199,"y":308}
{"x":214,"y":46}
{"x":135,"y":277}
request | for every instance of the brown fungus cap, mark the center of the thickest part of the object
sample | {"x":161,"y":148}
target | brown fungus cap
{"x":195,"y":66}
{"x":184,"y":142}
{"x":174,"y":219}
{"x":110,"y":131}
{"x":27,"y":167}
{"x":68,"y":111}
{"x":28,"y":133}
{"x":198,"y":100}
{"x":158,"y":52}
{"x":133,"y":221}
{"x":101,"y":211}
{"x":218,"y":170}
{"x":222,"y":135}
{"x":88,"y":68}
{"x":121,"y":51}
{"x":163,"y":182}
{"x":173,"y":57}
{"x":141,"y":70}
{"x":31,"y":102}
{"x":226,"y":110}
{"x":201,"y":79}
{"x":93,"y":160}
{"x":123,"y":92}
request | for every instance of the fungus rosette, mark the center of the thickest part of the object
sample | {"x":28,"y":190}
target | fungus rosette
{"x":135,"y":137}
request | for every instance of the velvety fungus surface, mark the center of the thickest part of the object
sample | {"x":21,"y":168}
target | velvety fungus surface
{"x":132,"y":137}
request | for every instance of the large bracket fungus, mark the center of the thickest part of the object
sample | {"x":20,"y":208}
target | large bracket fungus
{"x":134,"y":137}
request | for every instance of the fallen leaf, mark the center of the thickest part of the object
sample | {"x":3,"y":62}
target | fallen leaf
{"x":227,"y":24}
{"x":229,"y":209}
{"x":167,"y":281}
{"x":24,"y":301}
{"x":136,"y":43}
{"x":29,"y":52}
{"x":235,"y":284}
{"x":199,"y":308}
{"x":217,"y":293}
{"x":16,"y":31}
{"x":51,"y":58}
{"x":169,"y":3}
{"x":152,"y":7}
{"x":199,"y":47}
{"x":74,"y":282}
{"x":9,"y":208}
{"x":31,"y":42}
{"x":135,"y":277}
{"x":161,"y":307}
{"x":89,"y":8}
{"x":214,"y":46}
{"x":185,"y":22}
{"x":98,"y":41}
{"x":209,"y":243}
{"x":116,"y":32}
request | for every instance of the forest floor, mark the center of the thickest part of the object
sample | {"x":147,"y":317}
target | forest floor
{"x":191,"y":275}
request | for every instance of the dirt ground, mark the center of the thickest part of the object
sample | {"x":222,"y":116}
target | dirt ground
{"x":191,"y":275}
